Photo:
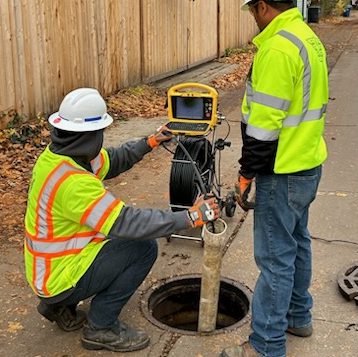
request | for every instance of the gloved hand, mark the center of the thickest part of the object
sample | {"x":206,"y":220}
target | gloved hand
{"x":203,"y":211}
{"x":242,"y":190}
{"x":162,"y":134}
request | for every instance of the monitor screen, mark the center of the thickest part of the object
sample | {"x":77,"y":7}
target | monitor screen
{"x":188,"y":108}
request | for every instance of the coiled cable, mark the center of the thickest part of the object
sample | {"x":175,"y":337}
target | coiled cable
{"x":185,"y":186}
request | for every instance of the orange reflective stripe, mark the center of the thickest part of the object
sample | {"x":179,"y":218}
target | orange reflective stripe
{"x":98,"y":212}
{"x":54,"y":247}
{"x":89,"y":209}
{"x":47,"y":275}
{"x":52,"y":199}
{"x":64,"y":238}
{"x":44,"y":222}
{"x":106,"y":214}
{"x":38,"y":206}
{"x":97,"y":163}
{"x":34,"y":272}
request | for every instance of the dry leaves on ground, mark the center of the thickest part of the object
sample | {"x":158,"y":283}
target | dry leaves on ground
{"x":20,"y":146}
{"x":141,"y":101}
{"x":243,"y":58}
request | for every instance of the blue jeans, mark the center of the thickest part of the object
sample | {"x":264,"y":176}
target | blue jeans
{"x":282,"y":247}
{"x":119,"y":268}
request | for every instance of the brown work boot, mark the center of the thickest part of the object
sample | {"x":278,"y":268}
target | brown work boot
{"x":244,"y":350}
{"x":121,"y":338}
{"x":67,"y":317}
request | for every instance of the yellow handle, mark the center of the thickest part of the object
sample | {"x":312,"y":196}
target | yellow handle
{"x":176,"y":89}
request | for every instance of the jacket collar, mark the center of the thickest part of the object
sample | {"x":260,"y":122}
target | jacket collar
{"x":277,"y":24}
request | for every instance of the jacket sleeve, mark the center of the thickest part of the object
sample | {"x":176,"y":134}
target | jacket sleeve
{"x":125,"y":156}
{"x":256,"y":156}
{"x":146,"y":223}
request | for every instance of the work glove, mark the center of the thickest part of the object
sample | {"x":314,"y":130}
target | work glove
{"x":162,"y":134}
{"x":203,"y":211}
{"x":242,"y":190}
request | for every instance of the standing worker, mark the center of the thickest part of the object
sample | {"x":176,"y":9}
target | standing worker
{"x":82,"y":241}
{"x":283,"y":149}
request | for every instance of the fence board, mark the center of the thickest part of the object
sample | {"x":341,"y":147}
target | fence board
{"x":237,"y":27}
{"x":203,"y":31}
{"x":164,"y":36}
{"x":7,"y":89}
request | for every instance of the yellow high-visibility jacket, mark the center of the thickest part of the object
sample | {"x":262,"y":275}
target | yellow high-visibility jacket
{"x":285,"y":100}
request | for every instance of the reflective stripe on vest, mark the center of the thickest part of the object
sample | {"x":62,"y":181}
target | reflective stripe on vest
{"x":43,"y":245}
{"x":282,"y":104}
{"x":96,"y":214}
{"x":56,"y":248}
{"x":97,"y":163}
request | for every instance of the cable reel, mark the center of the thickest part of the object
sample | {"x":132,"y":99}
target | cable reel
{"x":185,"y":186}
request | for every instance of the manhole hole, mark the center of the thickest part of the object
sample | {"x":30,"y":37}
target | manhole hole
{"x":174,"y":304}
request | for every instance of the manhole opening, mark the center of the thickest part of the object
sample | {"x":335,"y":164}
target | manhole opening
{"x":174,"y":305}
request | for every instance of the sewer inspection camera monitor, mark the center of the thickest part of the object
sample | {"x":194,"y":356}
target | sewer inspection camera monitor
{"x":192,"y":109}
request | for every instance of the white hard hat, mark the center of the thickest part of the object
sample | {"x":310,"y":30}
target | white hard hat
{"x":245,"y":3}
{"x":83,"y":109}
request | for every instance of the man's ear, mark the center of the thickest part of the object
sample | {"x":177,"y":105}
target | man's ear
{"x":264,"y":7}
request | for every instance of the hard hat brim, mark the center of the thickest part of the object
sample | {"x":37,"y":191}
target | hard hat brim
{"x":245,"y":5}
{"x":56,"y":121}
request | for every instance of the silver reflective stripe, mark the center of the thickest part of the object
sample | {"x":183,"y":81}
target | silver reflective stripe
{"x":43,"y":210}
{"x":262,"y":134}
{"x":53,"y":246}
{"x":249,"y":92}
{"x":271,"y":101}
{"x":97,"y":211}
{"x":245,"y":118}
{"x":307,"y":67}
{"x":313,"y":114}
{"x":40,"y":266}
{"x":96,"y":164}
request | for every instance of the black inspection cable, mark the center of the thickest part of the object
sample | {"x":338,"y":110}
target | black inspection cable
{"x":194,"y":156}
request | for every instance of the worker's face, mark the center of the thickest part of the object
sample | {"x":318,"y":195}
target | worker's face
{"x":259,"y":11}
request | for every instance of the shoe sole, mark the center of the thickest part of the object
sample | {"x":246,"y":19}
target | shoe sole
{"x":91,"y":345}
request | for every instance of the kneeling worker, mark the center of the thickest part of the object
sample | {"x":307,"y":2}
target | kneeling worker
{"x":81,"y":241}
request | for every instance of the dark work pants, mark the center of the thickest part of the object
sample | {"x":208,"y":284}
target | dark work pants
{"x":116,"y":273}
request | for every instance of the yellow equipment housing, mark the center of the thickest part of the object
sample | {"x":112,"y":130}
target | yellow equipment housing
{"x":192,"y":109}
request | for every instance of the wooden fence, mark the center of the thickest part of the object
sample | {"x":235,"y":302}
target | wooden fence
{"x":49,"y":47}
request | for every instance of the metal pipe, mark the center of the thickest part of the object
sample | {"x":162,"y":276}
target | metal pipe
{"x":214,"y":235}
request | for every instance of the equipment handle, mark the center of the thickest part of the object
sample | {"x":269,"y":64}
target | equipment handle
{"x":193,"y":85}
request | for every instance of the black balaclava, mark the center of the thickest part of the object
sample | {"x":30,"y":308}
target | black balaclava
{"x":82,"y":147}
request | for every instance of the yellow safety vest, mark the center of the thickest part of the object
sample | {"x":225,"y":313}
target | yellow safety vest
{"x":69,"y":213}
{"x":287,"y":93}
